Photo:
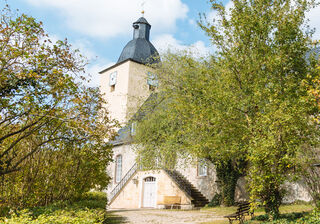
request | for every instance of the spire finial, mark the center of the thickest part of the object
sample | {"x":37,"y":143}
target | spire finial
{"x":142,"y":6}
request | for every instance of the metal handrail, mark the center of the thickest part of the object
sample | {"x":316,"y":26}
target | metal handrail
{"x":123,"y":182}
{"x":134,"y":169}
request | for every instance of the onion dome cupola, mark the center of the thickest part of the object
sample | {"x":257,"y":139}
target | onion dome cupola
{"x":140,"y":49}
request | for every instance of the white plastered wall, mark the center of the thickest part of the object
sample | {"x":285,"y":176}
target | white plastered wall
{"x":131,"y":89}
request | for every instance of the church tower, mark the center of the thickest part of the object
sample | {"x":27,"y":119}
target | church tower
{"x":125,"y":85}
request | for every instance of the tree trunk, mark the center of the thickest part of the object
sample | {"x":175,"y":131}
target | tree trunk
{"x":227,"y":175}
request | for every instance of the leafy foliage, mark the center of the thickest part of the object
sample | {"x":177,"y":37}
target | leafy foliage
{"x":312,"y":218}
{"x":311,"y":155}
{"x":86,"y":210}
{"x":247,"y":106}
{"x":215,"y":201}
{"x":262,"y":56}
{"x":52,"y":127}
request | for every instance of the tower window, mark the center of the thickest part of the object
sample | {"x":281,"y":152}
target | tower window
{"x":112,"y":88}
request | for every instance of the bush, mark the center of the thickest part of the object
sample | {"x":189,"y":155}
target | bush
{"x":85,"y":210}
{"x":216,"y":201}
{"x":52,"y":126}
{"x":293,"y":218}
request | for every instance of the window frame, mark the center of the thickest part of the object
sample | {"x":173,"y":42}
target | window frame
{"x":202,"y":168}
{"x":118,"y":168}
{"x":133,"y":128}
{"x":113,"y":78}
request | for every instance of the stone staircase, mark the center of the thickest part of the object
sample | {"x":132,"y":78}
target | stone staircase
{"x":198,"y":200}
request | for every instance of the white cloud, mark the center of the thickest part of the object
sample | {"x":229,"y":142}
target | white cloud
{"x":106,"y":18}
{"x":95,"y":63}
{"x":166,"y":42}
{"x":192,"y":22}
{"x":94,"y":69}
{"x":85,"y":48}
{"x":314,"y":17}
{"x":212,"y":15}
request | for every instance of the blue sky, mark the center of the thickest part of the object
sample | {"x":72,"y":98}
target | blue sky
{"x":101,"y":28}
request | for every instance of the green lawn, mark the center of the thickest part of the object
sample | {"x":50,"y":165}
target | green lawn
{"x":91,"y":209}
{"x":288,"y":212}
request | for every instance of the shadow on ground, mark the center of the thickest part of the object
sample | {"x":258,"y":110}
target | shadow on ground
{"x":114,"y":219}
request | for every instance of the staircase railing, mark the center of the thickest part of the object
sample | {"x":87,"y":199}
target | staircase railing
{"x":123,"y":182}
{"x":178,"y":181}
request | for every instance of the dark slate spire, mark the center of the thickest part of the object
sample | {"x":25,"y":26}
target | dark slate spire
{"x":140,"y":48}
{"x":141,"y":29}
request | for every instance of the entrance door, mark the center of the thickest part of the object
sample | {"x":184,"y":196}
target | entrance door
{"x":149,"y":192}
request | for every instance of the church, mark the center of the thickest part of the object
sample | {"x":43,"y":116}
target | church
{"x":126,"y":86}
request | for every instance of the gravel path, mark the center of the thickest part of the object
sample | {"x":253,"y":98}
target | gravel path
{"x":154,"y":216}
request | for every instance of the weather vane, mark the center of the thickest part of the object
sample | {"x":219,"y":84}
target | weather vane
{"x":142,"y":6}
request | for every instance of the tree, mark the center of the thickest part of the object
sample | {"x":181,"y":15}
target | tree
{"x":191,"y":117}
{"x":246,"y":107}
{"x":52,"y":127}
{"x":311,"y":155}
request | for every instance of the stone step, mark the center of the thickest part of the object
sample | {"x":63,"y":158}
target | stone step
{"x":201,"y":200}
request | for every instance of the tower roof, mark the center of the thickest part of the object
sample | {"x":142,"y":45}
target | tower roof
{"x":140,"y":49}
{"x":142,"y":20}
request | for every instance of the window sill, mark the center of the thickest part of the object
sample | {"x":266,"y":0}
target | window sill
{"x":202,"y":177}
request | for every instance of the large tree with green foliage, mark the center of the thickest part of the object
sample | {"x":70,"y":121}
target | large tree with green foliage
{"x":52,"y":127}
{"x":247,"y":107}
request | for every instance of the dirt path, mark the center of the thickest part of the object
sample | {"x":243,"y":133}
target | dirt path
{"x":153,"y":216}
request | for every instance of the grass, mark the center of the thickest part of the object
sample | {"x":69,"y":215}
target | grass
{"x":91,"y":209}
{"x":293,"y":211}
{"x":220,"y":211}
{"x":114,"y":219}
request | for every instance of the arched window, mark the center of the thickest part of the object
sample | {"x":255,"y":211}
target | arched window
{"x":149,"y":179}
{"x":118,"y":170}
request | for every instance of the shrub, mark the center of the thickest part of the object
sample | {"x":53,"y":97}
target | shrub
{"x":85,"y":210}
{"x":293,"y":218}
{"x":216,"y":201}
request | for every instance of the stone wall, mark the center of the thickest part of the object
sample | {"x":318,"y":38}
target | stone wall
{"x":296,"y":191}
{"x":128,"y":160}
{"x":207,"y":185}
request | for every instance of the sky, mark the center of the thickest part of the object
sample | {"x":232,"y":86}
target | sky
{"x":101,"y":28}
